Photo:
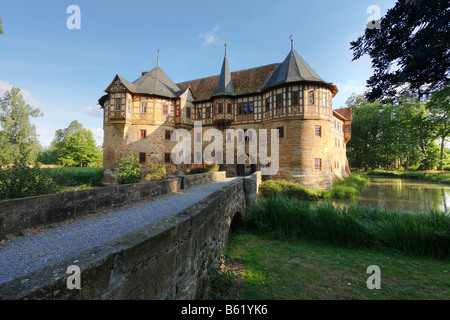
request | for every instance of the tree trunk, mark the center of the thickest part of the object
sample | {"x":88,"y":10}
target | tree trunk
{"x":441,"y":164}
{"x":424,"y":153}
{"x":407,"y":163}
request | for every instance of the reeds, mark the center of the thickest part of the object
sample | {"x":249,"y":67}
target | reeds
{"x":426,"y":234}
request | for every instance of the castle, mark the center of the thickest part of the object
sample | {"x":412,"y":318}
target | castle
{"x":140,"y":118}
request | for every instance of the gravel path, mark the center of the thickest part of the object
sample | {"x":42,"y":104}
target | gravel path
{"x":29,"y":253}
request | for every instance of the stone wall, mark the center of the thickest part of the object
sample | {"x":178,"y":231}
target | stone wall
{"x":20,"y":214}
{"x":165,"y":260}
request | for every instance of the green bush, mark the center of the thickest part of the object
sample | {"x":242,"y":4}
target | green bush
{"x":202,"y":168}
{"x":275,"y":188}
{"x":67,"y":176}
{"x":353,"y":226}
{"x":129,"y":171}
{"x":23,"y":181}
{"x":157,"y":172}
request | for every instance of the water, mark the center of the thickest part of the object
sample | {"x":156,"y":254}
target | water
{"x":403,"y":194}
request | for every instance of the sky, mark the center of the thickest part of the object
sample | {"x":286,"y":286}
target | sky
{"x":64,"y":71}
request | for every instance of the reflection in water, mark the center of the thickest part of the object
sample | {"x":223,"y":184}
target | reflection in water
{"x":403,"y":194}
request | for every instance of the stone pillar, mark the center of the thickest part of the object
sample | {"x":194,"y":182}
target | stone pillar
{"x":251,"y":187}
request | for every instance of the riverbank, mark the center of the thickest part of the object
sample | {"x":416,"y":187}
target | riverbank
{"x":273,"y":269}
{"x":431,"y":176}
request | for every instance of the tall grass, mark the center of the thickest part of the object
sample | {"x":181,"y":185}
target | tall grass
{"x":353,"y":226}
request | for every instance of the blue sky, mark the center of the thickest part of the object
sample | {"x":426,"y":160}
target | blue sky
{"x":63,"y":72}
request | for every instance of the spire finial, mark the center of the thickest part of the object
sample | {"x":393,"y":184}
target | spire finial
{"x":157,"y":60}
{"x":225,"y":49}
{"x":292,"y":42}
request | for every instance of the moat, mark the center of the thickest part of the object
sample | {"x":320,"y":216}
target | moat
{"x":403,"y":194}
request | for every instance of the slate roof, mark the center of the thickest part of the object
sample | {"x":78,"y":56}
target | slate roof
{"x":292,"y":69}
{"x":156,"y":82}
{"x":225,"y":83}
{"x":244,"y":82}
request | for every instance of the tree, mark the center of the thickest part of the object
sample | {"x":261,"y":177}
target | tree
{"x":75,"y":146}
{"x":1,"y":30}
{"x":410,"y":47}
{"x":439,"y":107}
{"x":18,"y":139}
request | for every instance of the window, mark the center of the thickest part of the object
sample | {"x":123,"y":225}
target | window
{"x":294,"y":99}
{"x":167,"y":157}
{"x":188,"y":112}
{"x":240,"y":108}
{"x":165,"y":109}
{"x":143,"y":134}
{"x":250,"y":107}
{"x":279,"y":100}
{"x":267,"y":104}
{"x":142,"y":156}
{"x":117,"y":104}
{"x":143,"y":107}
{"x":318,"y":131}
{"x":347,"y":128}
{"x":245,"y":108}
{"x":324,"y":100}
{"x":208,"y":113}
{"x":318,"y":164}
{"x":199,"y":114}
{"x":229,"y":108}
{"x":220,"y":108}
{"x":168,"y":134}
{"x":311,"y":97}
{"x":280,"y":132}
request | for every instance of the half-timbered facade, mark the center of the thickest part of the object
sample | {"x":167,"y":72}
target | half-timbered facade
{"x":140,"y":117}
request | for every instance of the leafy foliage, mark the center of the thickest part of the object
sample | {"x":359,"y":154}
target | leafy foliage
{"x":23,"y":181}
{"x":411,"y":46}
{"x":157,"y":172}
{"x":202,"y":168}
{"x":74,"y":146}
{"x":18,"y":139}
{"x":129,"y":171}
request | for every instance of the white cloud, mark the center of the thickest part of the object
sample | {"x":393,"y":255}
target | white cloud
{"x":98,"y":135}
{"x":27,"y":95}
{"x":210,"y":37}
{"x":351,"y":86}
{"x":95,"y":111}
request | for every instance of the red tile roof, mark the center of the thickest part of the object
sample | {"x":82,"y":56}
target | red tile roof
{"x":345,"y":112}
{"x":244,"y":82}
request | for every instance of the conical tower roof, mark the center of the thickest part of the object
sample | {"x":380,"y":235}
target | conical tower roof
{"x":292,"y":69}
{"x":225,"y":84}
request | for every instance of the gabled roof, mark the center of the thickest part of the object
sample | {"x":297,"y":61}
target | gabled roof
{"x":292,"y":69}
{"x":244,"y":82}
{"x":345,"y":113}
{"x":156,"y":82}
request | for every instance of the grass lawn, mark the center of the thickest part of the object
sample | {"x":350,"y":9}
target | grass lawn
{"x":289,"y":270}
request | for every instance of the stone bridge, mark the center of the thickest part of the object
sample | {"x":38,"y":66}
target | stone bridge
{"x":148,"y":240}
